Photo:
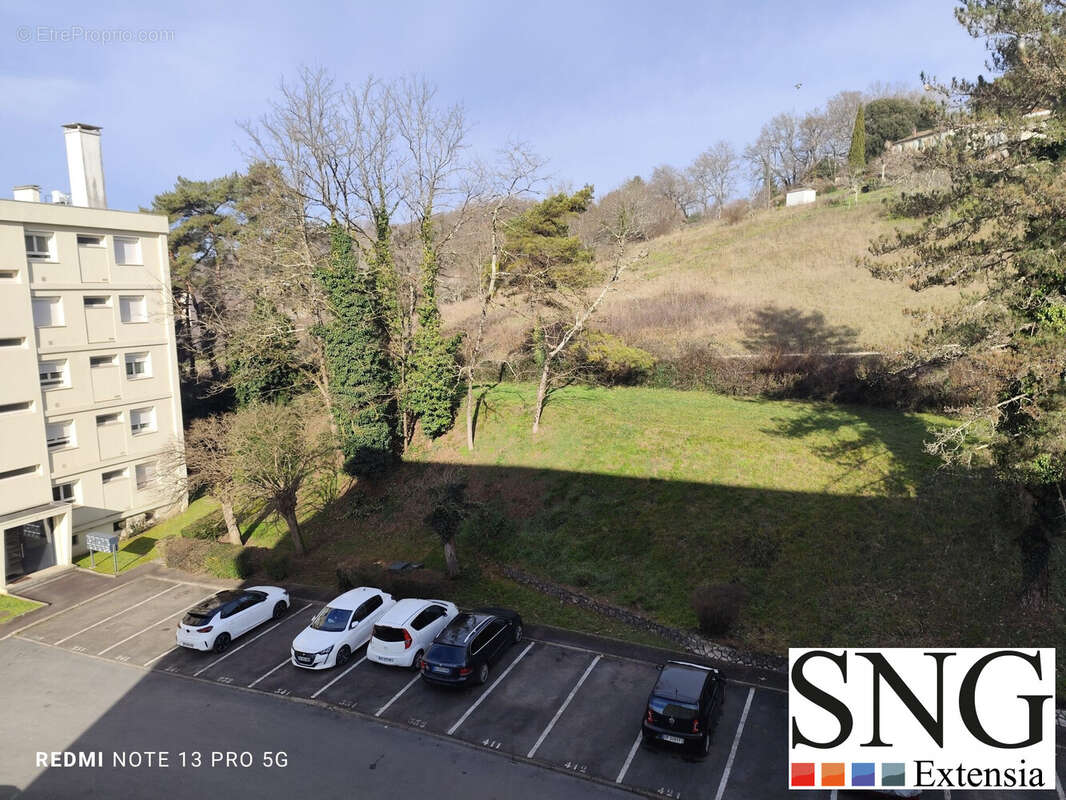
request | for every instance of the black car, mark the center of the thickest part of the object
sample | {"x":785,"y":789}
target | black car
{"x":684,"y":706}
{"x":465,"y":650}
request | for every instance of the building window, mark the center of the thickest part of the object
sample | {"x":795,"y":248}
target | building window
{"x":128,"y":250}
{"x":112,"y":475}
{"x":87,"y":240}
{"x":97,"y":302}
{"x":15,"y":473}
{"x":142,"y":420}
{"x":109,"y":419}
{"x":47,"y":312}
{"x":53,"y":374}
{"x":138,"y":366}
{"x":14,"y":408}
{"x":102,"y":361}
{"x":74,"y":540}
{"x":65,"y":491}
{"x":145,"y":474}
{"x":60,"y":435}
{"x":133,"y":308}
{"x":39,"y":246}
{"x":13,"y":341}
{"x":9,"y":274}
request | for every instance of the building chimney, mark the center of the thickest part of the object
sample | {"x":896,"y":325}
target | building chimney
{"x":27,"y":194}
{"x":85,"y":164}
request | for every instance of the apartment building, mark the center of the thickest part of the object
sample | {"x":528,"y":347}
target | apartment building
{"x":90,"y":409}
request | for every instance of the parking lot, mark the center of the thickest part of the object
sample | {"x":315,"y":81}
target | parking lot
{"x":564,"y":707}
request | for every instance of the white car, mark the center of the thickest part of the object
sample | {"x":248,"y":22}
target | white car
{"x":340,"y":628}
{"x":217,"y":621}
{"x":402,"y":636}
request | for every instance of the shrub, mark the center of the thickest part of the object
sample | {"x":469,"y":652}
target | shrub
{"x":276,"y":566}
{"x":210,"y":526}
{"x":215,"y":558}
{"x":609,"y":359}
{"x":717,"y":607}
{"x":735,"y":212}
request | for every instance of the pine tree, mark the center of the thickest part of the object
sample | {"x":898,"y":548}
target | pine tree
{"x":857,"y":153}
{"x":360,"y":371}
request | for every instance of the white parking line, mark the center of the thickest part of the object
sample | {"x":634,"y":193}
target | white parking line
{"x":267,"y":675}
{"x":397,"y":696}
{"x":629,"y":758}
{"x":117,"y":614}
{"x":149,"y":627}
{"x":736,"y":743}
{"x":544,"y":734}
{"x":71,"y":608}
{"x":167,"y":652}
{"x":353,"y":666}
{"x":1058,"y":787}
{"x":488,"y":691}
{"x":241,"y":647}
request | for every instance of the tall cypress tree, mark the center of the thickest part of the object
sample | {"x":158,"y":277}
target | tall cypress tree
{"x":857,"y":153}
{"x":360,"y":371}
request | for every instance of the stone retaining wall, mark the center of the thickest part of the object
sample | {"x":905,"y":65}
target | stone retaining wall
{"x":687,"y":640}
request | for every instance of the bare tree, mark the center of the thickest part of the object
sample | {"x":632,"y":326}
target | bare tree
{"x":210,"y":464}
{"x":714,"y":173}
{"x":675,"y":186}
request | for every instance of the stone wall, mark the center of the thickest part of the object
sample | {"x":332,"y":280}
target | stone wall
{"x":686,"y":640}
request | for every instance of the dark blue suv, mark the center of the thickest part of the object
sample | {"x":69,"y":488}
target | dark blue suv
{"x":466,"y":649}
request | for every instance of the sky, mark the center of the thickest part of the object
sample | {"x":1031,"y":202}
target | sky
{"x":602,"y":90}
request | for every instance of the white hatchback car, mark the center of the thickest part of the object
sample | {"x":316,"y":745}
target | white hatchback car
{"x":217,"y":621}
{"x":340,"y":628}
{"x":402,"y":636}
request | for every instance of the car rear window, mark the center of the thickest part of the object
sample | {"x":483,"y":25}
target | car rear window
{"x":446,"y":654}
{"x":383,"y":633}
{"x":672,"y":708}
{"x":194,"y":618}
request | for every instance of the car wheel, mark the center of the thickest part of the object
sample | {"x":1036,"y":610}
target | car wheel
{"x":343,"y":655}
{"x":221,"y":643}
{"x":280,"y":608}
{"x":416,"y":661}
{"x":518,"y":633}
{"x":483,"y":673}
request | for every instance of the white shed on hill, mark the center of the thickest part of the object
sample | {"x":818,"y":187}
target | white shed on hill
{"x":800,"y":197}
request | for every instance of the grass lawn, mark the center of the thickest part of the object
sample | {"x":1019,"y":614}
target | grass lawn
{"x":142,"y":548}
{"x":11,"y":607}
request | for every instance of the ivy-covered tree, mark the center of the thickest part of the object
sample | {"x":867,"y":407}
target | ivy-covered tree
{"x":360,"y":372}
{"x":999,"y":229}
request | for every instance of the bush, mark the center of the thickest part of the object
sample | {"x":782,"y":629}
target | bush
{"x":210,"y":526}
{"x":717,"y":607}
{"x":736,"y":212}
{"x":215,"y":558}
{"x":609,"y":359}
{"x":414,"y":583}
{"x":276,"y":566}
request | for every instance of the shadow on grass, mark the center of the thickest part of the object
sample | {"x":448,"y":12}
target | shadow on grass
{"x":790,"y":330}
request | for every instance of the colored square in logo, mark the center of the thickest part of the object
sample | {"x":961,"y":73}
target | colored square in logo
{"x":803,"y":774}
{"x":832,"y":774}
{"x":893,"y":774}
{"x":863,"y":773}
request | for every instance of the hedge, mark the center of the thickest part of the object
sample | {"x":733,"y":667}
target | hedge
{"x":223,"y":560}
{"x":413,"y":583}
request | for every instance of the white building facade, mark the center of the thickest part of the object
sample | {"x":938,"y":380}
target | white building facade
{"x":90,"y":408}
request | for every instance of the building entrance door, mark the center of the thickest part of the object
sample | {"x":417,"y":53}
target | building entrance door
{"x":28,"y":548}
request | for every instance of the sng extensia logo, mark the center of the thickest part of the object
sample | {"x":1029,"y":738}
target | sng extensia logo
{"x":912,"y":718}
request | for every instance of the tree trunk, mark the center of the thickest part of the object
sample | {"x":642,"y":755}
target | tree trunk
{"x":233,"y":531}
{"x":287,"y":508}
{"x":542,"y":393}
{"x":470,"y":411}
{"x":451,"y":560}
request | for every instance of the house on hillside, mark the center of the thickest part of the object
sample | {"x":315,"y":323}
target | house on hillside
{"x":800,"y":196}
